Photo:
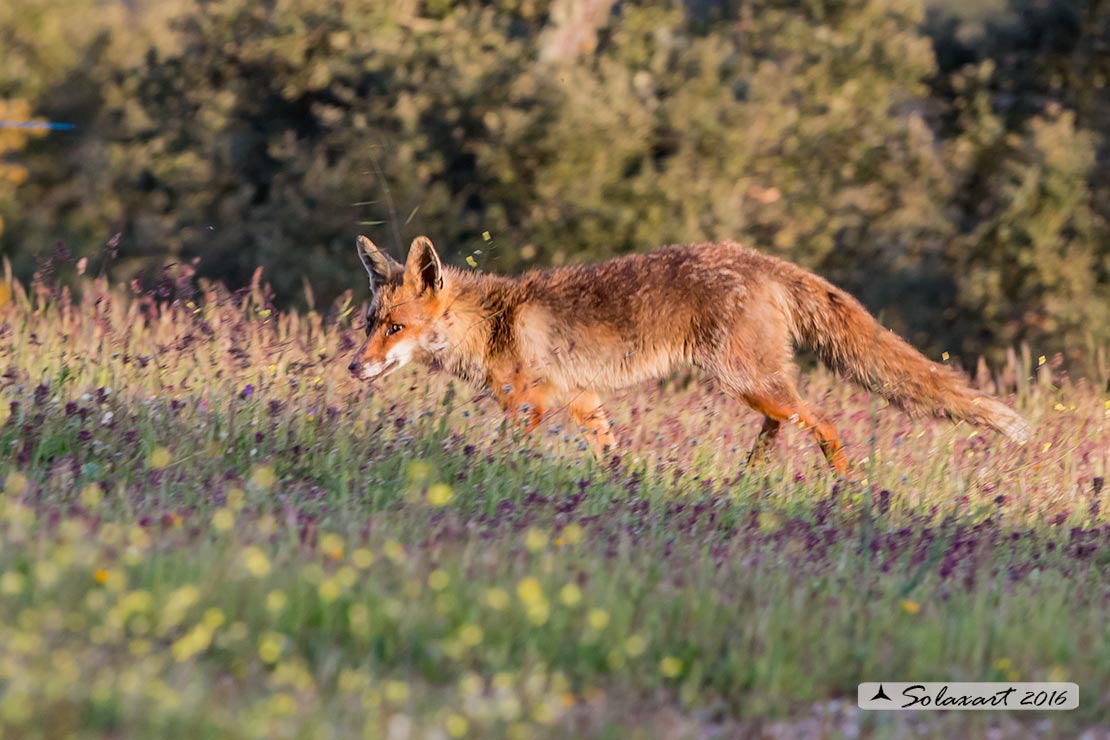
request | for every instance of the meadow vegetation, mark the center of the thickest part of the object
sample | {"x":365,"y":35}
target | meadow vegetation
{"x":208,"y":529}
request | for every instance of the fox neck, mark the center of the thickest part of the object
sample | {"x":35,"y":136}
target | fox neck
{"x":470,"y":322}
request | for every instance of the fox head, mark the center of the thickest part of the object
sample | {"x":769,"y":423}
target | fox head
{"x":406,"y":302}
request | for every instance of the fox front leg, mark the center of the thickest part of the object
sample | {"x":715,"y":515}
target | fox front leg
{"x":588,"y":414}
{"x":524,"y":400}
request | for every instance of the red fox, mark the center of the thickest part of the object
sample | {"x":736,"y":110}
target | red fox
{"x":557,"y":338}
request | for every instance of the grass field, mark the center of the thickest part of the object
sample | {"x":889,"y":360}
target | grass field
{"x":208,"y":529}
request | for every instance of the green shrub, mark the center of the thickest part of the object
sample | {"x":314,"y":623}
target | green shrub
{"x":863,"y":139}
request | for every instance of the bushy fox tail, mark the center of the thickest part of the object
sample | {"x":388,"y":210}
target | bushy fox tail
{"x":848,"y":339}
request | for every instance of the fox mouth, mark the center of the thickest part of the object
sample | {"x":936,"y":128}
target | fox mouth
{"x":371,"y":374}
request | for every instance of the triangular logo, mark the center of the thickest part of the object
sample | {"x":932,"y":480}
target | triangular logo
{"x":881,"y":694}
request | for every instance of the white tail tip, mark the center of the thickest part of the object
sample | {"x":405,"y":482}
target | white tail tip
{"x":1010,"y":423}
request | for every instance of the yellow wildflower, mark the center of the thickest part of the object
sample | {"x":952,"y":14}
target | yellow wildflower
{"x":573,"y":533}
{"x":570,"y":594}
{"x":223,"y":520}
{"x":470,"y":635}
{"x":270,"y":646}
{"x":455,"y":725}
{"x":529,"y":590}
{"x":635,"y":646}
{"x":670,"y":667}
{"x":535,"y":539}
{"x":236,"y":499}
{"x":329,"y":590}
{"x":438,"y":580}
{"x":255,"y":561}
{"x":331,"y":545}
{"x":159,"y":458}
{"x":598,"y":619}
{"x":263,"y":477}
{"x":396,"y":692}
{"x":362,"y":558}
{"x":439,"y":494}
{"x":497,"y":598}
{"x":276,"y":601}
{"x":91,"y":495}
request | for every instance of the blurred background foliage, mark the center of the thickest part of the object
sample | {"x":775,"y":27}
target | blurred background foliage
{"x":946,"y":161}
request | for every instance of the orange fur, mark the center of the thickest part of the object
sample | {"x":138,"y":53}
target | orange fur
{"x":557,"y":338}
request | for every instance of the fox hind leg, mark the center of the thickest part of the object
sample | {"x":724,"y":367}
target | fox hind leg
{"x":788,"y":406}
{"x":763,"y":441}
{"x":753,"y":364}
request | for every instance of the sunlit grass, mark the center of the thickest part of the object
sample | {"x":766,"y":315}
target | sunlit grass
{"x":208,"y":529}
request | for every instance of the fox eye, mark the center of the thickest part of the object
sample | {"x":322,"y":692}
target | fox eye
{"x":393,"y":329}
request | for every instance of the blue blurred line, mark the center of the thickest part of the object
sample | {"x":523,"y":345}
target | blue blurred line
{"x":38,"y":124}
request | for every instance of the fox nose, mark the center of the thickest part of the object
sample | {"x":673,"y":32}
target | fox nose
{"x":353,"y":367}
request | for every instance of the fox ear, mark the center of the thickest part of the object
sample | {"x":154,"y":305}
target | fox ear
{"x":379,"y":266}
{"x":423,"y":268}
